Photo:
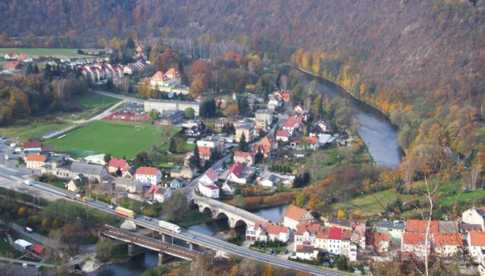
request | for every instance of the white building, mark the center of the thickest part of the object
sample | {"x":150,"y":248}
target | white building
{"x":35,"y":161}
{"x":265,"y":232}
{"x":163,"y":106}
{"x":148,"y":175}
{"x":447,"y":245}
{"x":474,"y":216}
{"x":209,"y":190}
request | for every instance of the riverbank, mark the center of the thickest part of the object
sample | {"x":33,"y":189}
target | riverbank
{"x":255,"y":203}
{"x":375,"y":128}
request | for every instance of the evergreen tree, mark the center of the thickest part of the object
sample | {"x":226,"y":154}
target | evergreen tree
{"x":243,"y":144}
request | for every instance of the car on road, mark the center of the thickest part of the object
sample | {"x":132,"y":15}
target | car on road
{"x":28,"y":182}
{"x":28,"y":229}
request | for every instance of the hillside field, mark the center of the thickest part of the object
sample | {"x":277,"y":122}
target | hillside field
{"x":45,"y":52}
{"x":117,"y":139}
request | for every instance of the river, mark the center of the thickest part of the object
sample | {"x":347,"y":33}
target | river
{"x":375,"y":129}
{"x":378,"y":133}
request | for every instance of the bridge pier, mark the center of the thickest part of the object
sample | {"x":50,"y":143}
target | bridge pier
{"x":160,"y":258}
{"x":131,"y":249}
{"x":191,"y":246}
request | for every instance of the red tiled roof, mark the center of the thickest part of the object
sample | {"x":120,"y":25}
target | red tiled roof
{"x":413,"y":238}
{"x":35,"y":158}
{"x":448,"y":239}
{"x":292,"y":122}
{"x":273,"y":229}
{"x":205,"y":151}
{"x":237,"y":169}
{"x":305,"y":248}
{"x":32,"y":144}
{"x":147,"y":171}
{"x":312,"y":140}
{"x":313,"y":228}
{"x":419,"y":226}
{"x":296,"y":213}
{"x":335,"y":233}
{"x":119,"y":163}
{"x":282,"y":133}
{"x":38,"y":249}
{"x":477,"y":238}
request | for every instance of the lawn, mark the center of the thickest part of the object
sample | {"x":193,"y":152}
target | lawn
{"x":45,"y":52}
{"x":92,"y":101}
{"x":117,"y":139}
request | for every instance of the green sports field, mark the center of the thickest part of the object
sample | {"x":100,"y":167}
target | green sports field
{"x":115,"y":138}
{"x":44,"y":52}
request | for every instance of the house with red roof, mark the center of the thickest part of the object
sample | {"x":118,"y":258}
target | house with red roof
{"x":11,"y":65}
{"x":306,"y":233}
{"x":116,"y":164}
{"x":210,"y":177}
{"x":38,"y":249}
{"x":244,"y":157}
{"x":32,"y":146}
{"x":267,"y":231}
{"x":265,"y":146}
{"x":295,"y":215}
{"x":306,"y":252}
{"x":205,"y":153}
{"x":292,"y":124}
{"x":475,"y":241}
{"x":282,"y":135}
{"x":239,"y":173}
{"x":381,"y":242}
{"x":447,"y":245}
{"x":148,"y":175}
{"x":35,"y":161}
{"x":419,"y":226}
{"x":415,"y":243}
{"x":208,"y":190}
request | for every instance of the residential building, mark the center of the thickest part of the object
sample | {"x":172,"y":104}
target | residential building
{"x":295,"y":215}
{"x":90,"y":171}
{"x":267,"y":231}
{"x":394,"y":228}
{"x":265,"y":146}
{"x":209,"y":178}
{"x":474,"y":216}
{"x":116,"y":164}
{"x":282,"y":135}
{"x":292,"y":124}
{"x":208,"y":190}
{"x":414,"y":243}
{"x":306,"y":252}
{"x":205,"y":153}
{"x":306,"y":233}
{"x":476,"y":246}
{"x":271,"y":179}
{"x":239,"y":173}
{"x":244,"y":157}
{"x":35,"y":161}
{"x":263,"y":119}
{"x":244,"y":129}
{"x":148,"y":175}
{"x":447,"y":245}
{"x":32,"y":146}
{"x":381,"y":242}
{"x":337,"y":241}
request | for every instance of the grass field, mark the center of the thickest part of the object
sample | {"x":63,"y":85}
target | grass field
{"x":33,"y":129}
{"x":46,"y":52}
{"x":117,"y":139}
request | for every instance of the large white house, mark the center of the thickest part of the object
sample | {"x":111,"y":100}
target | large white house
{"x":265,"y":232}
{"x":209,"y":190}
{"x":148,"y":175}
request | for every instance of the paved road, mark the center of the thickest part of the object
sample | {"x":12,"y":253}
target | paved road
{"x":152,"y":224}
{"x":83,"y":121}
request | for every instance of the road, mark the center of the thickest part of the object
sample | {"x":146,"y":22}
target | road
{"x":15,"y":182}
{"x":119,"y":96}
{"x":83,"y":121}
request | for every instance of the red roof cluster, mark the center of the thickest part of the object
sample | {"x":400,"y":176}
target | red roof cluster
{"x":147,"y":171}
{"x":282,"y":133}
{"x":32,"y":144}
{"x":455,"y":239}
{"x":419,"y":226}
{"x":477,"y":238}
{"x":35,"y":158}
{"x":273,"y":229}
{"x":297,"y":213}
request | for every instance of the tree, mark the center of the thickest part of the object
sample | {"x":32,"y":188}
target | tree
{"x":104,"y":249}
{"x":107,"y":158}
{"x":208,"y":108}
{"x":154,"y":115}
{"x":176,"y":206}
{"x":243,"y":144}
{"x":145,"y":90}
{"x":198,"y":85}
{"x":189,"y":113}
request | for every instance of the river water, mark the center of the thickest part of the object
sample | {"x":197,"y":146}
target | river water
{"x":375,"y":129}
